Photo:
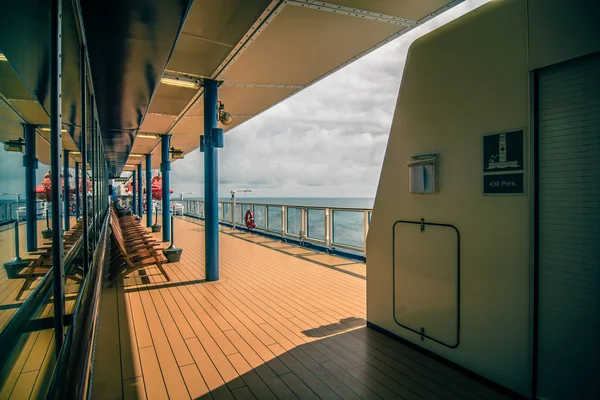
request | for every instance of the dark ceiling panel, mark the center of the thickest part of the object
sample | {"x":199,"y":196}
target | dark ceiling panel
{"x":25,"y":41}
{"x":129,"y":44}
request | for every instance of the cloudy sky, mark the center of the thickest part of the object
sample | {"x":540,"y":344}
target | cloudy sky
{"x":326,"y":141}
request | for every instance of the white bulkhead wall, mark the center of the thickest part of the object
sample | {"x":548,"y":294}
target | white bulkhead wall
{"x":464,"y":80}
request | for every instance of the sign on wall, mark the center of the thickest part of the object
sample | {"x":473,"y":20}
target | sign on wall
{"x":503,"y":163}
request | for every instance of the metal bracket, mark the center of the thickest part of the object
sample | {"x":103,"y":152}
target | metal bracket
{"x":422,"y":224}
{"x":422,"y":334}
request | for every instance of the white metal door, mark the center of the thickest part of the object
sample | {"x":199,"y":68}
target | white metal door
{"x":569,"y":230}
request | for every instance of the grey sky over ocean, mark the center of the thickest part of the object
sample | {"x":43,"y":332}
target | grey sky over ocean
{"x":327,"y":141}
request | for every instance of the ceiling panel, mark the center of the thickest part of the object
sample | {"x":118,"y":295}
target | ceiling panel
{"x":408,"y":9}
{"x":307,"y":43}
{"x":170,"y":100}
{"x":32,"y":111}
{"x":156,"y":123}
{"x":189,"y":125}
{"x":10,"y":123}
{"x":212,"y":29}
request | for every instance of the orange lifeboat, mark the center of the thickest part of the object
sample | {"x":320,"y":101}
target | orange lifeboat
{"x":43,"y":191}
{"x":157,"y":188}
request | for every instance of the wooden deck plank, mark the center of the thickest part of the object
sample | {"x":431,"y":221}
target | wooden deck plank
{"x":153,"y":380}
{"x":24,"y":386}
{"x":277,"y":325}
{"x":194,"y":381}
{"x":167,"y":359}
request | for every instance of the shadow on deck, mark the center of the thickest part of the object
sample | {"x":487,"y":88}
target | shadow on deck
{"x":276,"y":326}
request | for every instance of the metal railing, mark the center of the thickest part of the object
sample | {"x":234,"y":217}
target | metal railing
{"x":329,"y":228}
{"x":11,"y":211}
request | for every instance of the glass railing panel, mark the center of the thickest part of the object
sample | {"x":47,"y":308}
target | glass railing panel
{"x":220,"y":211}
{"x":274,"y":218}
{"x":348,"y":228}
{"x":293,"y":221}
{"x":238,"y":214}
{"x":227,"y":211}
{"x":259,"y":216}
{"x":315,"y":228}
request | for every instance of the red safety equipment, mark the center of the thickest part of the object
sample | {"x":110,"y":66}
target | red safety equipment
{"x":249,"y":219}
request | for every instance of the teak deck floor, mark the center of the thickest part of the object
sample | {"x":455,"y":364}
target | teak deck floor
{"x":282,"y":323}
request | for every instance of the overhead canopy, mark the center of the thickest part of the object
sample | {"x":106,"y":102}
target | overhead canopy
{"x":261,"y":51}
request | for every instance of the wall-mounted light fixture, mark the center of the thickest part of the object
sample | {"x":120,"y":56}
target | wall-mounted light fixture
{"x":224,"y":117}
{"x":3,"y":57}
{"x":14,"y":145}
{"x":176,"y":154}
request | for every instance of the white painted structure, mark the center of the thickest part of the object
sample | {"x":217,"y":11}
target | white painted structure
{"x":469,"y":290}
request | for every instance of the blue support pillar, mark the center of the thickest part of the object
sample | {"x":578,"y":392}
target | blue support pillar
{"x":55,"y":148}
{"x":211,"y":182}
{"x":67,"y":190}
{"x":77,"y":187}
{"x":134,"y":189}
{"x":165,"y":167}
{"x":140,"y":206}
{"x":148,"y":190}
{"x":30,"y":163}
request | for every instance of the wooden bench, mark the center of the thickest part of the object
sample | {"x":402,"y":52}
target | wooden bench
{"x":133,"y":247}
{"x":43,"y":264}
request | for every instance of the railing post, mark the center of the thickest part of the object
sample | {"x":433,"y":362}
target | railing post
{"x":365,"y":231}
{"x":328,"y":229}
{"x":266,"y":217}
{"x":330,"y":232}
{"x":283,"y":221}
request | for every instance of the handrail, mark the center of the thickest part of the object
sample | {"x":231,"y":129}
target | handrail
{"x":330,"y":233}
{"x":74,"y":362}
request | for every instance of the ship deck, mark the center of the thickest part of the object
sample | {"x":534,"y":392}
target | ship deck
{"x":283,"y":322}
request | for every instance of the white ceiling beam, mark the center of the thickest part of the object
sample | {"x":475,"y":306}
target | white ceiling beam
{"x":206,"y":39}
{"x":351,"y":11}
{"x":262,"y":85}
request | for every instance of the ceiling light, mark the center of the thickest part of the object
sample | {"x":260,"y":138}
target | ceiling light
{"x":181,"y":82}
{"x":75,"y":153}
{"x":135,"y":155}
{"x":48,"y":130}
{"x":3,"y":57}
{"x":146,"y":136}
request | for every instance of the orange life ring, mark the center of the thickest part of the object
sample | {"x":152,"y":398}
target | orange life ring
{"x":249,"y":219}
